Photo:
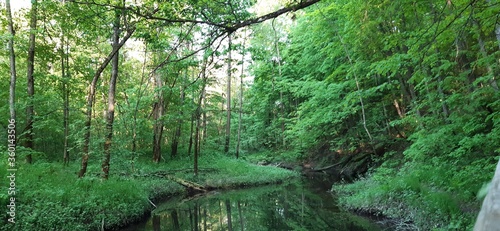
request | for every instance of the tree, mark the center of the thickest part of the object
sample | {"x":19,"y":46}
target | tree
{"x":64,"y":51}
{"x":31,"y":87}
{"x":228,"y":96}
{"x":12,"y":59}
{"x":198,"y":114}
{"x":91,"y":95}
{"x":241,"y":98}
{"x":110,"y":115}
{"x":158,"y":111}
{"x":488,"y":215}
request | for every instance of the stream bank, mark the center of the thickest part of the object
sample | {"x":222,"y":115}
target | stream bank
{"x":51,"y":197}
{"x":298,"y":204}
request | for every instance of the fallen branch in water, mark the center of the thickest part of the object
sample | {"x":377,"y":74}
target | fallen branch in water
{"x":188,"y":184}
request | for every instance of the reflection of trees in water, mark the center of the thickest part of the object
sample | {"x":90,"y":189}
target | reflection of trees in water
{"x":293,"y":207}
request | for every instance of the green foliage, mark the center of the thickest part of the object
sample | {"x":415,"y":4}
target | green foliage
{"x":344,"y":77}
{"x":50,"y":196}
{"x":395,"y":56}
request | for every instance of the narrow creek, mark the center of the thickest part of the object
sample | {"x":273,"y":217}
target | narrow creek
{"x":302,"y":204}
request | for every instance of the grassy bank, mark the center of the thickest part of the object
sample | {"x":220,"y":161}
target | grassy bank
{"x":417,"y":197}
{"x":51,"y":197}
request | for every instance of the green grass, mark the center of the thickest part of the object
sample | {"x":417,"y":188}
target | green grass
{"x":417,"y":197}
{"x":51,"y":197}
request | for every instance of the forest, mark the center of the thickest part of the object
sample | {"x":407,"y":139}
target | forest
{"x":109,"y":106}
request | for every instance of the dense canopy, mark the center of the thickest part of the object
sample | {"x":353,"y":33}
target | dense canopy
{"x":405,"y":92}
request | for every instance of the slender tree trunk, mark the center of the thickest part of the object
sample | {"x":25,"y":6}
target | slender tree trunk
{"x":158,"y":111}
{"x":241,"y":100}
{"x":136,"y":110}
{"x":221,"y":215}
{"x":91,"y":98}
{"x":12,"y":59}
{"x":196,"y":217}
{"x":228,"y":95}
{"x":282,"y":104}
{"x":242,"y":226}
{"x":197,"y":131}
{"x":191,"y":136}
{"x":110,"y":115}
{"x":196,"y":146}
{"x":228,"y":214}
{"x":175,"y":220}
{"x":359,"y":93}
{"x":205,"y":219}
{"x":198,"y":120}
{"x":177,"y":134}
{"x":65,"y":90}
{"x":204,"y":117}
{"x":30,"y":84}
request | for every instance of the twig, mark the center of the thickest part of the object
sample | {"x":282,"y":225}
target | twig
{"x":152,"y":203}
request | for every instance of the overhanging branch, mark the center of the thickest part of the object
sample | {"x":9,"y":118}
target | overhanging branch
{"x":229,"y":27}
{"x":298,"y":6}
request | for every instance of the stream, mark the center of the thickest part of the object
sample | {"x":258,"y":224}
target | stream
{"x":302,"y":204}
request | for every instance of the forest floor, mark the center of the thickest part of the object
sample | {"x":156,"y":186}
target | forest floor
{"x":51,"y":197}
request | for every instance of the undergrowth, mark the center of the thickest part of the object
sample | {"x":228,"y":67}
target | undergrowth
{"x":420,"y":197}
{"x":49,"y":196}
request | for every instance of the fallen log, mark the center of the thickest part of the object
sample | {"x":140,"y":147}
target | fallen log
{"x":326,"y":168}
{"x":193,"y":187}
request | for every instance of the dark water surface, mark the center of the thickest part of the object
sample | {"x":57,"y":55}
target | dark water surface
{"x":299,"y":205}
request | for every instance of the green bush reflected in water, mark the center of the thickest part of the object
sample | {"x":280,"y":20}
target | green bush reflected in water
{"x":291,"y":206}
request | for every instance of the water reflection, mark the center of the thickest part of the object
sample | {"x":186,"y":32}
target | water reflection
{"x":294,"y":206}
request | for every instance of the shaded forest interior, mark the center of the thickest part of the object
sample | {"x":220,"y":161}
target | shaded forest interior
{"x":400,"y":97}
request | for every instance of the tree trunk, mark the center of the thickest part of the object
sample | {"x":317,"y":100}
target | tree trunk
{"x":228,"y":95}
{"x":191,"y":136}
{"x":205,"y":227}
{"x":196,"y":145}
{"x":90,"y":101}
{"x":158,"y":110}
{"x":228,"y":214}
{"x":136,"y":110}
{"x":359,"y":93}
{"x":198,"y":120}
{"x":204,"y":117}
{"x":282,"y":105}
{"x":196,"y":217}
{"x":30,"y":84}
{"x":65,"y":91}
{"x":177,"y":134}
{"x":12,"y":59}
{"x":175,"y":220}
{"x":487,"y":219}
{"x":241,"y":101}
{"x":110,"y":115}
{"x":240,"y":215}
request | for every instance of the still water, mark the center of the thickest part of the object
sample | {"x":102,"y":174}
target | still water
{"x":299,"y":205}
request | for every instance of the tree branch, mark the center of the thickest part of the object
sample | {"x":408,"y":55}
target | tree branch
{"x":300,"y":5}
{"x":230,"y":27}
